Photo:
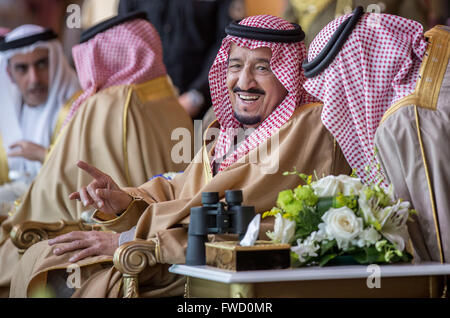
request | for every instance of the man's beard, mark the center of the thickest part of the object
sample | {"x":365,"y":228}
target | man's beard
{"x":247,"y":120}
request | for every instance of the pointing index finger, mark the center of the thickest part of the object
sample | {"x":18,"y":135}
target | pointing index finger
{"x":93,"y":171}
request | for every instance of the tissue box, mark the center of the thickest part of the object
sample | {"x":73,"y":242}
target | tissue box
{"x":263,"y":255}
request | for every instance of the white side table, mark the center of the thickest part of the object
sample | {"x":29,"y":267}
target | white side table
{"x":397,"y":280}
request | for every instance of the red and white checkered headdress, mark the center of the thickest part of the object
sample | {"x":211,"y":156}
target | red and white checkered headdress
{"x":377,"y":65}
{"x":285,"y":63}
{"x":129,"y":53}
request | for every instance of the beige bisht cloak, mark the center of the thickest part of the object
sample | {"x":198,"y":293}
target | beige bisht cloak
{"x":303,"y":142}
{"x":413,"y":142}
{"x":126,"y":130}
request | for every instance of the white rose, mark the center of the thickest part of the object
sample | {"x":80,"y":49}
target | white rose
{"x":368,"y":237}
{"x":342,"y":225}
{"x":349,"y":185}
{"x":283,"y":230}
{"x":330,"y":186}
{"x":326,"y":187}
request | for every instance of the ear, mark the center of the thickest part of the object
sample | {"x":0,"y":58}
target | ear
{"x":8,"y":70}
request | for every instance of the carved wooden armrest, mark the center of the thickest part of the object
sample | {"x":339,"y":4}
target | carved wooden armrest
{"x":131,"y":258}
{"x":28,"y":233}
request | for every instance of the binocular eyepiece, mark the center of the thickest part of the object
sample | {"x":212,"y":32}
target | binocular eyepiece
{"x":215,"y":217}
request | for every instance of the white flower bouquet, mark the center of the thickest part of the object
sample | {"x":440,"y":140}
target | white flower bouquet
{"x":338,"y":216}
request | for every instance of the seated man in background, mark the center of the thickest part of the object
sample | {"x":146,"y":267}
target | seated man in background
{"x":386,"y":101}
{"x":256,"y":88}
{"x":191,"y":32}
{"x":35,"y":83}
{"x":123,"y":122}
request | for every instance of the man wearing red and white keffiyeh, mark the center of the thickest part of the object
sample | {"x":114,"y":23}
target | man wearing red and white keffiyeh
{"x":377,"y":65}
{"x":386,"y":102}
{"x":129,"y":53}
{"x":256,"y":85}
{"x":285,"y":64}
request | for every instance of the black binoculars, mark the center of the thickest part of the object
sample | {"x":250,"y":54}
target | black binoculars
{"x":215,"y":217}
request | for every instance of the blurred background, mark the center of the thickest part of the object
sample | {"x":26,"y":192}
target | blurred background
{"x":192,"y":30}
{"x":313,"y":15}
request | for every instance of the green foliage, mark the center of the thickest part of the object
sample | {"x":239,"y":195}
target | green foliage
{"x":326,"y":258}
{"x":300,"y":206}
{"x":307,"y":221}
{"x":319,"y":247}
{"x":285,"y":198}
{"x":327,"y":246}
{"x":306,"y":194}
{"x":378,"y":194}
{"x":293,"y":209}
{"x":368,"y":255}
{"x":350,"y":201}
{"x":362,"y":255}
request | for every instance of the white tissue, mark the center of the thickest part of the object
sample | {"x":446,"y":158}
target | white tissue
{"x":252,"y":232}
{"x":86,"y":216}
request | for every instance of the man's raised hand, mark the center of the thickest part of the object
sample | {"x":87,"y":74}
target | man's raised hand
{"x":102,"y":193}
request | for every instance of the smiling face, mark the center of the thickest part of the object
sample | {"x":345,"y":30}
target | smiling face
{"x":253,"y":89}
{"x":30,"y":73}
